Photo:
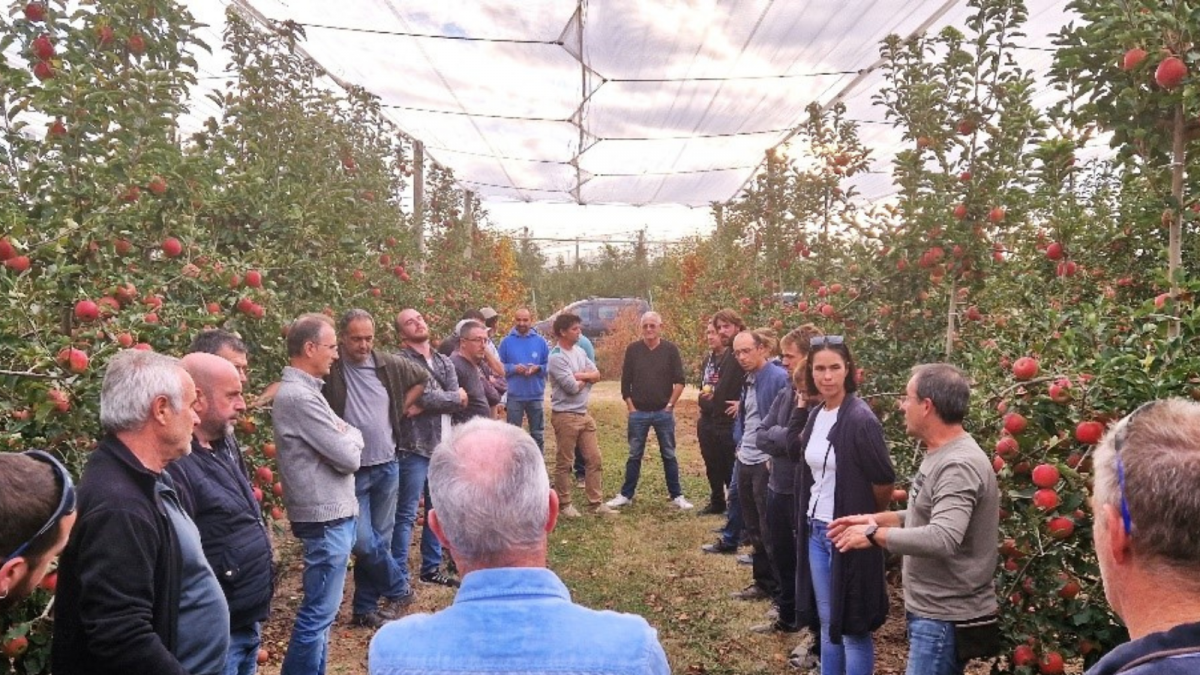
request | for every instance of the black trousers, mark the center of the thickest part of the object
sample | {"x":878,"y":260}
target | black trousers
{"x":718,"y":451}
{"x":752,"y":488}
{"x":781,"y":531}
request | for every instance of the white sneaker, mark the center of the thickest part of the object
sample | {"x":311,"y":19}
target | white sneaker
{"x":682,"y":503}
{"x":618,"y":501}
{"x":570,"y":512}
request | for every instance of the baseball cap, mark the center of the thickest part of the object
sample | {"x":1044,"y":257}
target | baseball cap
{"x":489,"y":313}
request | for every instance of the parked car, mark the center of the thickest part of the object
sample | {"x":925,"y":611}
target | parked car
{"x":598,"y":314}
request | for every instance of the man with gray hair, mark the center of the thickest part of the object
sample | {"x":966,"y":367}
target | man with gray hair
{"x":651,"y":382}
{"x":1146,"y":507}
{"x":948,"y":533}
{"x":135,"y":592}
{"x":468,"y":364}
{"x":371,"y":390}
{"x":494,"y":512}
{"x":318,"y":456}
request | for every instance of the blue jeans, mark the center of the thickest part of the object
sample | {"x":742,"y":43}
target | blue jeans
{"x":856,"y":654}
{"x":534,"y":410}
{"x":931,"y":647}
{"x":413,"y":469}
{"x":732,"y":532}
{"x":324,"y":578}
{"x":376,"y":573}
{"x":640,"y":423}
{"x":243,"y":650}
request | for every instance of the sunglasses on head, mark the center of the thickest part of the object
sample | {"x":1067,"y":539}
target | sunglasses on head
{"x":66,"y":503}
{"x":823,"y":340}
{"x":1119,"y":440}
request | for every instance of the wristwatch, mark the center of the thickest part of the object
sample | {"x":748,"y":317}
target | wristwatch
{"x":870,"y":534}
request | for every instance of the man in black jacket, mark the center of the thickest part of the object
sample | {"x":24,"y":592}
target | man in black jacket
{"x":135,"y":593}
{"x":213,"y":485}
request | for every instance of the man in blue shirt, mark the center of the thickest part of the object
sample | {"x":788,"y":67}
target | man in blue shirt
{"x":523,"y":353}
{"x":511,"y":615}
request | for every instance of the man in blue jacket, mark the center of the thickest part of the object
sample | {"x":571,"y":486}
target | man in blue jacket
{"x":764,"y":380}
{"x":523,"y":353}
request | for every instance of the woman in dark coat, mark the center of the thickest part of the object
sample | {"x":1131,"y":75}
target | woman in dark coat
{"x":844,"y":468}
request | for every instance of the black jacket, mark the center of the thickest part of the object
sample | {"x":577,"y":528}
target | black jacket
{"x":859,"y":598}
{"x":118,"y":593}
{"x":397,"y":374}
{"x":730,"y":379}
{"x":216,"y":493}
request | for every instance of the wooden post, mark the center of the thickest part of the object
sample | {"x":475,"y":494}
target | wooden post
{"x":1178,"y":157}
{"x":419,"y":201}
{"x":468,"y":223}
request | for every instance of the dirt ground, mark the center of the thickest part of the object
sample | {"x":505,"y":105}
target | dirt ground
{"x":684,"y":593}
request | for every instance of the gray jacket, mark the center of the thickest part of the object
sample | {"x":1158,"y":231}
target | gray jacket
{"x":421,"y":434}
{"x":318,"y":452}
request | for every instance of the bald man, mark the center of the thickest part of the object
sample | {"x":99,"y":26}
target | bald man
{"x":215,"y":491}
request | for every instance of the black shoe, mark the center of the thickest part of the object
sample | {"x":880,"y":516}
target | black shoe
{"x":751,"y":592}
{"x":711,"y":510}
{"x":776,"y":626}
{"x":368,"y":620}
{"x":439,"y":579}
{"x":719,"y":547}
{"x":393,"y":608}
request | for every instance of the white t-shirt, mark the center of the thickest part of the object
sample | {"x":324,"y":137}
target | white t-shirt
{"x":822,"y":462}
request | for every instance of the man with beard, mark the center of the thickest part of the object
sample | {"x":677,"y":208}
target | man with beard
{"x":524,"y":355}
{"x":468,"y":364}
{"x":424,"y":426}
{"x":715,"y":428}
{"x":214,"y":488}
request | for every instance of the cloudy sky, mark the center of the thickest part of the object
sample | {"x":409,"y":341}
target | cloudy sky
{"x":672,"y":107}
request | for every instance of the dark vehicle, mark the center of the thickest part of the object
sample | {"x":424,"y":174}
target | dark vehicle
{"x":598,"y":314}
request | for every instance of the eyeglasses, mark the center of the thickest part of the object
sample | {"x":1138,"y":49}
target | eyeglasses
{"x":822,"y":340}
{"x":66,"y":503}
{"x":1119,"y":440}
{"x":481,"y":338}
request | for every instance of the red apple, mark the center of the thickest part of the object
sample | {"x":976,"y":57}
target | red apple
{"x":18,"y":264}
{"x":125,"y":340}
{"x":258,"y":494}
{"x":42,"y":47}
{"x":136,"y":44}
{"x":1025,"y":368}
{"x":1160,"y":300}
{"x":276,"y":513}
{"x":1045,"y":499}
{"x":1069,"y":589}
{"x":269,"y":450}
{"x":960,"y":211}
{"x":15,"y":647}
{"x":1054,"y":251}
{"x":171,"y":247}
{"x":122,"y":246}
{"x":1089,"y":433}
{"x":43,"y":71}
{"x":1060,"y":527}
{"x":60,"y":399}
{"x":264,"y":475}
{"x":49,"y":582}
{"x":1045,"y":475}
{"x":1170,"y":72}
{"x":254,"y":279}
{"x":56,"y":129}
{"x":277,"y":489}
{"x":1060,"y":391}
{"x":131,"y":194}
{"x":7,"y":252}
{"x":1051,"y":663}
{"x":86,"y":310}
{"x":157,"y":185}
{"x":1007,"y":447}
{"x":105,"y":35}
{"x":263,"y":656}
{"x":73,"y":359}
{"x":35,"y":12}
{"x":1133,"y":58}
{"x":1024,"y":655}
{"x":997,"y":463}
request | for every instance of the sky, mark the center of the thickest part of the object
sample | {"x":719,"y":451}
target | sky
{"x":666,"y":108}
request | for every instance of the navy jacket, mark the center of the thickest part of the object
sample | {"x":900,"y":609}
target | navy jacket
{"x":117,"y":603}
{"x":216,"y":493}
{"x":859,"y":598}
{"x":1171,"y":652}
{"x":768,"y":382}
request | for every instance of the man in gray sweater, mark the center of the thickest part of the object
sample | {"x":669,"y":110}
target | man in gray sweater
{"x":318,"y":455}
{"x":572,"y":375}
{"x":949,"y":533}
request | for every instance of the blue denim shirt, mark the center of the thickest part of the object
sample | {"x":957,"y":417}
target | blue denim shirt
{"x":517,"y":620}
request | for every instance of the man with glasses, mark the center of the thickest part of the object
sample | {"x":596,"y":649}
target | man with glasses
{"x":372,"y":390}
{"x":651,"y":382}
{"x":135,"y":592}
{"x":947,"y":535}
{"x":214,"y":488}
{"x":319,"y":454}
{"x":37,"y":510}
{"x":426,"y":423}
{"x":1146,"y":507}
{"x":468,"y":364}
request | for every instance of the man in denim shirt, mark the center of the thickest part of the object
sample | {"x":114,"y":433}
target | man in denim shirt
{"x":512,"y":615}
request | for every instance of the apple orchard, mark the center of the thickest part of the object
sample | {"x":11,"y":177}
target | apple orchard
{"x":1065,"y":288}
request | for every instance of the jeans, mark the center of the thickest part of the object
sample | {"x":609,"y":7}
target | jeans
{"x":731,"y":534}
{"x":752,"y":486}
{"x":516,"y":410}
{"x":856,"y":654}
{"x":413,"y":469}
{"x":781,"y":532}
{"x":640,"y":423}
{"x":324,"y":578}
{"x":243,"y":650}
{"x":718,"y":450}
{"x":376,"y":572}
{"x":580,"y":466}
{"x":931,"y":647}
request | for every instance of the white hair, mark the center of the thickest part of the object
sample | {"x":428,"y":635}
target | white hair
{"x":132,"y":381}
{"x":493,"y":509}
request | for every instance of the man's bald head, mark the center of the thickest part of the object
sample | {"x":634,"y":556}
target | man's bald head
{"x":220,"y":402}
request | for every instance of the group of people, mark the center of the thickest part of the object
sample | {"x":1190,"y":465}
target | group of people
{"x":166,"y":563}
